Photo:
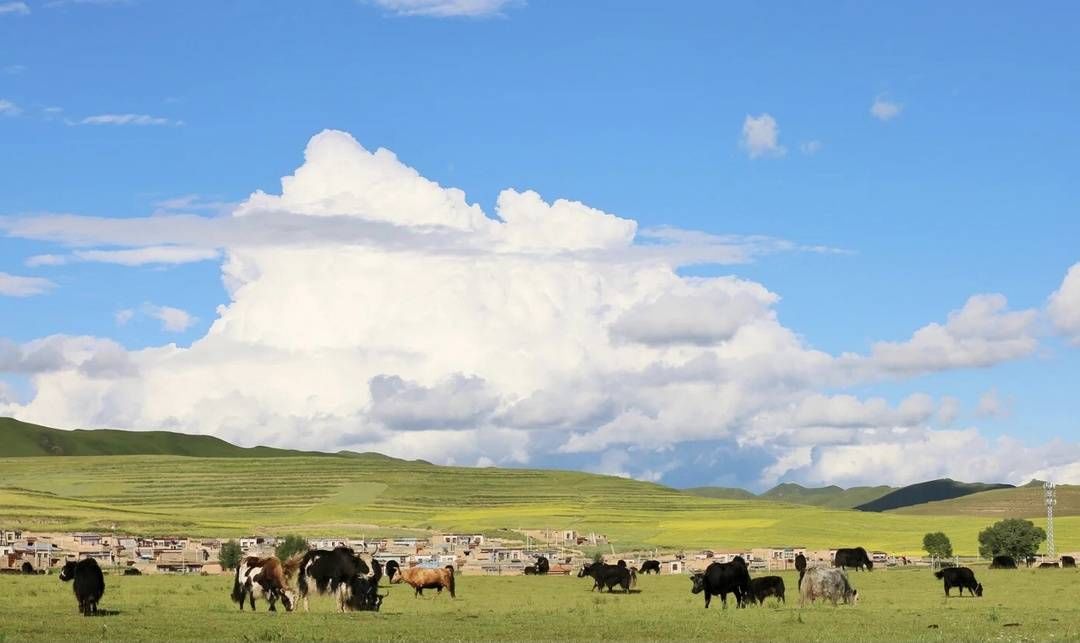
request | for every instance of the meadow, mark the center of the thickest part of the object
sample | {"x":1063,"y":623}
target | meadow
{"x":894,"y":605}
{"x":376,"y":496}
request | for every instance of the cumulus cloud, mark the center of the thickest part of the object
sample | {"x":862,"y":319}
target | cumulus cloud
{"x":447,"y":8}
{"x":980,"y":334}
{"x":173,"y":320}
{"x":19,"y":286}
{"x":991,"y":405}
{"x":1064,"y":305}
{"x":371,"y":308}
{"x":761,"y":137}
{"x":885,"y":110}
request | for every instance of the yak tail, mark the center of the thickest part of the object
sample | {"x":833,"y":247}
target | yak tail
{"x":452,"y":581}
{"x":940,"y":574}
{"x":633,"y":577}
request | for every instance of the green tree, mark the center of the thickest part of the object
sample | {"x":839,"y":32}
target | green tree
{"x":292,"y":544}
{"x":1014,"y":537}
{"x":230,"y":555}
{"x":937,"y":544}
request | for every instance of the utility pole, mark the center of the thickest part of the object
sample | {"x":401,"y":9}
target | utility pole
{"x":1051,"y":500}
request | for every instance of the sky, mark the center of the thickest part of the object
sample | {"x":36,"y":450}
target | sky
{"x":696,"y":243}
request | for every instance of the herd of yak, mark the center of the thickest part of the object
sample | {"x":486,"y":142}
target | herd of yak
{"x":341,"y":573}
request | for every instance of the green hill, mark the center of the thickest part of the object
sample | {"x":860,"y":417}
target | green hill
{"x":20,"y":439}
{"x":931,"y":491}
{"x":723,"y":493}
{"x":1020,"y":502}
{"x":831,"y":496}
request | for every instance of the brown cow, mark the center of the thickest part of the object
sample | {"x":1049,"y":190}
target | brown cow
{"x":422,"y":578}
{"x":265,"y":577}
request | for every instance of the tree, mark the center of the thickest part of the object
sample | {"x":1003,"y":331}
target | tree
{"x":230,"y":555}
{"x":937,"y":544}
{"x":292,"y":544}
{"x":1014,"y":537}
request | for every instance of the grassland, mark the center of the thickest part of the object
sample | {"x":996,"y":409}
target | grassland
{"x":377,"y":495}
{"x":894,"y":605}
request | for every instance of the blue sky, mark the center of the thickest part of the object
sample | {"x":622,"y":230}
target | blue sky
{"x":966,"y":186}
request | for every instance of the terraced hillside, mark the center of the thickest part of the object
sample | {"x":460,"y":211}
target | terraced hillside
{"x":378,"y":495}
{"x":1018,"y":502}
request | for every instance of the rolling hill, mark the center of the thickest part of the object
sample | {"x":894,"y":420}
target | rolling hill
{"x":231,"y":493}
{"x":930,"y":491}
{"x":1018,"y":502}
{"x":21,"y":439}
{"x":832,"y":496}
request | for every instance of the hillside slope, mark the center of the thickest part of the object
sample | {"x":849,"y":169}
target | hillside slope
{"x":1019,"y":502}
{"x":831,"y":496}
{"x":722,"y":493}
{"x":21,"y":439}
{"x":930,"y":491}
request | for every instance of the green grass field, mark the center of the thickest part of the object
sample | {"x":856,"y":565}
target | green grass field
{"x":374,"y":495}
{"x":894,"y":605}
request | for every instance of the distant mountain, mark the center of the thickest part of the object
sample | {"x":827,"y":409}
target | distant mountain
{"x":20,"y":439}
{"x":923,"y":492}
{"x":832,"y":496}
{"x":723,"y":493}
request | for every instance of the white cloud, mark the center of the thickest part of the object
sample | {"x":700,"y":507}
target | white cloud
{"x":8,"y":108}
{"x":980,"y":334}
{"x":885,"y":110}
{"x":373,"y":309}
{"x":14,"y":8}
{"x":127,"y":119}
{"x":1064,"y":305}
{"x":124,"y":315}
{"x":150,"y":255}
{"x":173,"y":320}
{"x":761,"y":137}
{"x":446,"y":8}
{"x":18,"y":286}
{"x":809,"y":148}
{"x":949,"y":410}
{"x":992,"y":406}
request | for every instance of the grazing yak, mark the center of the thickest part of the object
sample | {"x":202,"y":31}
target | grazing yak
{"x":829,"y":584}
{"x":854,"y":557}
{"x":961,"y":577}
{"x":1003,"y":562}
{"x":766,"y":586}
{"x":392,"y":568}
{"x":800,"y":566}
{"x":421,"y":578}
{"x":1068,"y":561}
{"x":609,"y":576}
{"x":721,"y":579}
{"x":342,"y":573}
{"x":89,"y":583}
{"x":650,"y":567}
{"x":541,"y":567}
{"x":264,"y":578}
{"x":1048,"y":565}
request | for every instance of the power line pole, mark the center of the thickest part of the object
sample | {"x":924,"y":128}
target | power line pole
{"x":1051,"y":500}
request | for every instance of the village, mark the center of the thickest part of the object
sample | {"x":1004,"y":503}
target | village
{"x":469,"y":554}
